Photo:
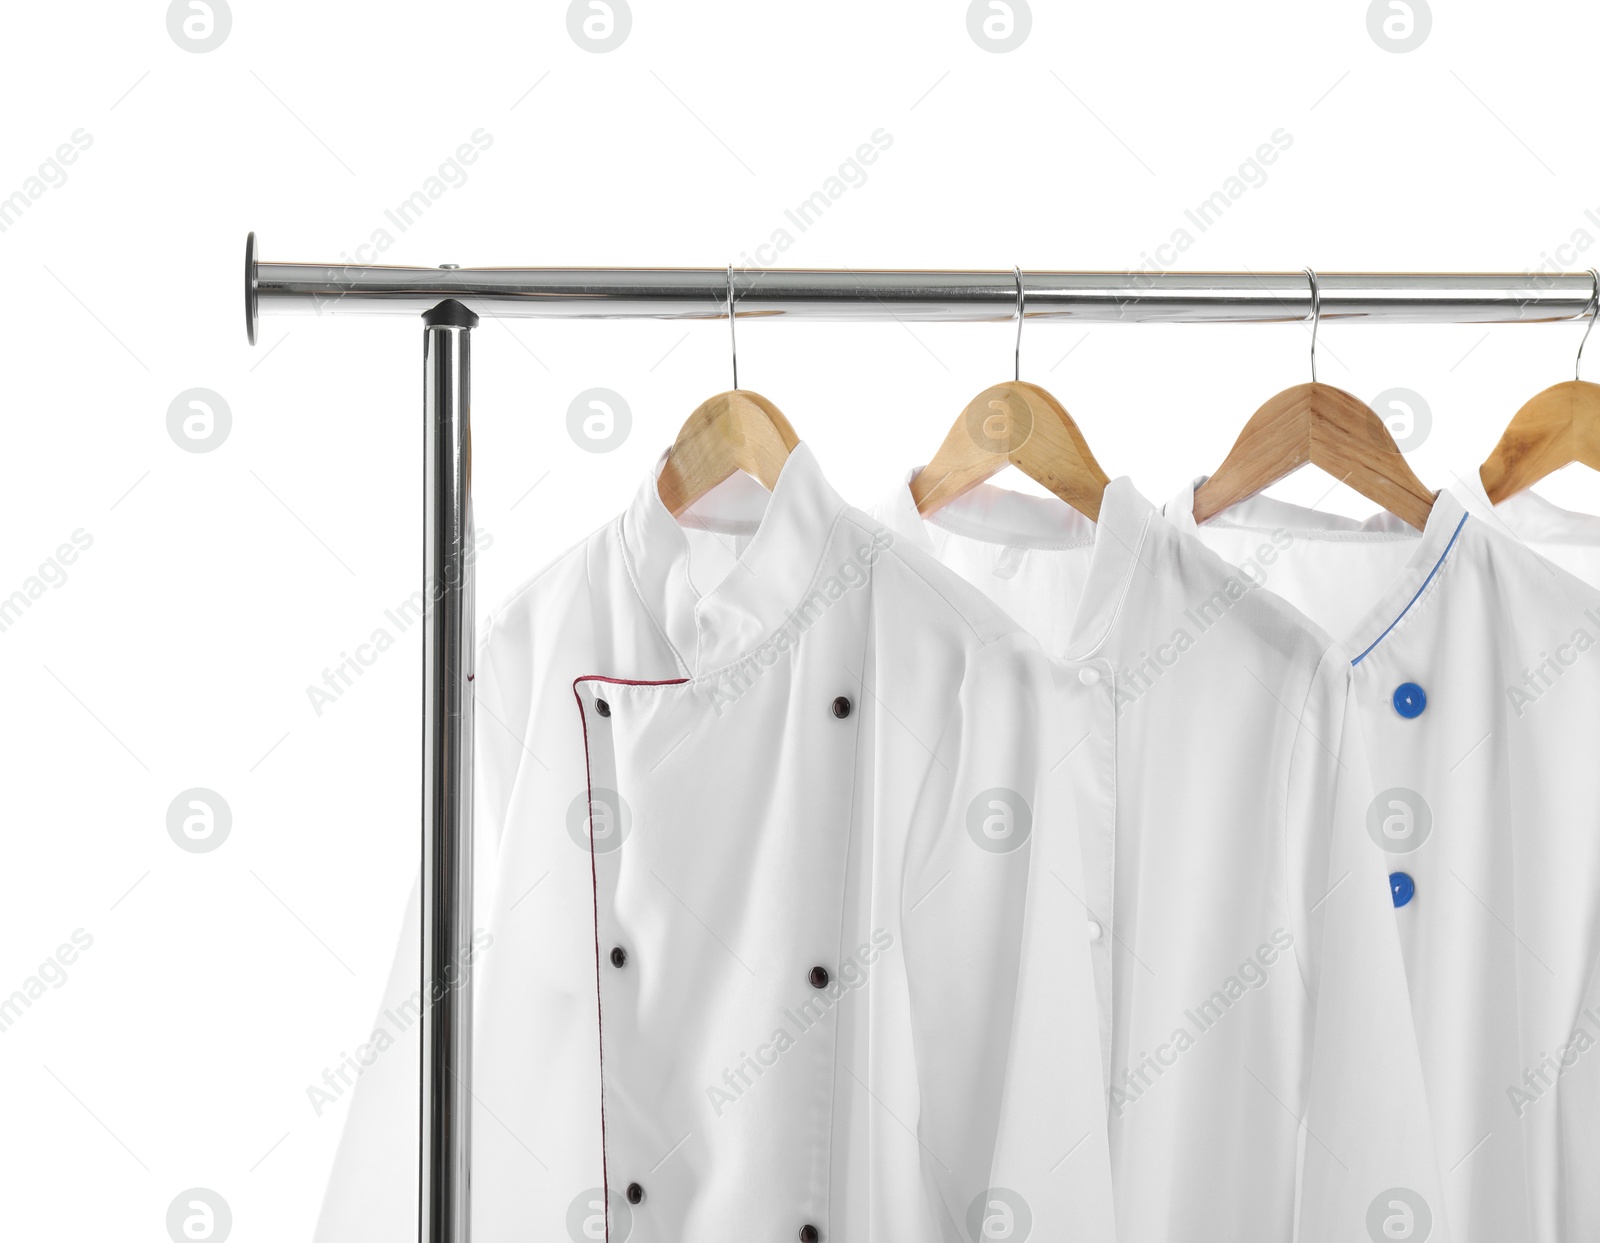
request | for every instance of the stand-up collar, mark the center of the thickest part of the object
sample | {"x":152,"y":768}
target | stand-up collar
{"x":787,"y":534}
{"x":1527,"y":516}
{"x":1433,"y":546}
{"x":1263,"y":513}
{"x":1015,"y":520}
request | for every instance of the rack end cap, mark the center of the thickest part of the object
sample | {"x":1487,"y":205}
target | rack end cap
{"x":252,"y":311}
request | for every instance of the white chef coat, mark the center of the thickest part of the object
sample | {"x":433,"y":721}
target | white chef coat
{"x":1479,"y":684}
{"x":1262,"y":1071}
{"x":1569,"y":539}
{"x":774,"y":785}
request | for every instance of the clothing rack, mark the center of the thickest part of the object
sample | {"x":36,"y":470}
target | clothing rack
{"x":450,"y":300}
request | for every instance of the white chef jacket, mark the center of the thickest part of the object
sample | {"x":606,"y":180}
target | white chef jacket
{"x":1479,"y":688}
{"x":1262,"y":1072}
{"x":1569,"y":539}
{"x":764,"y":791}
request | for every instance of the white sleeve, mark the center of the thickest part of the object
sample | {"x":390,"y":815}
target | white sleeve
{"x":1052,"y":1144}
{"x":503,"y":679}
{"x":372,"y":1189}
{"x":1578,"y":1095}
{"x":1004,"y":1022}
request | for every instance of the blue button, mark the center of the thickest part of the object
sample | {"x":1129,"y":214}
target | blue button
{"x":1409,"y":700}
{"x":1402,"y":888}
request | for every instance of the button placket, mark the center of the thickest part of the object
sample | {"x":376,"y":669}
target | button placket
{"x":832,"y":949}
{"x":623,"y":742}
{"x":605,"y":715}
{"x":1096,"y":767}
{"x":1410,"y":701}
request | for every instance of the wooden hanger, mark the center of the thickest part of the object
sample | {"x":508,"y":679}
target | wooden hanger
{"x":1017,"y":424}
{"x":1327,"y":427}
{"x":1554,"y":428}
{"x":736,"y":430}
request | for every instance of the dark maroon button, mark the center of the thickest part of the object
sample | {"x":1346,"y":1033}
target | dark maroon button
{"x":841,"y":709}
{"x":619,"y":956}
{"x":602,"y":707}
{"x":818,"y":977}
{"x":809,"y":1233}
{"x":635,"y":1193}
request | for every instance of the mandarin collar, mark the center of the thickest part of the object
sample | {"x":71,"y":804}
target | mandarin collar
{"x":1266,"y":513}
{"x":789,"y":531}
{"x":1434,"y":543}
{"x":1016,"y":520}
{"x":1527,"y":516}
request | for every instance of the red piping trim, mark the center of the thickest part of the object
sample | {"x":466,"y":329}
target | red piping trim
{"x":594,"y":882}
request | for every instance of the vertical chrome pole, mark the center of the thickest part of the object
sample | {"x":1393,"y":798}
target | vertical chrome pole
{"x":447,"y":697}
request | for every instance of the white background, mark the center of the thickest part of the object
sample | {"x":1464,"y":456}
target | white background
{"x":177,"y":651}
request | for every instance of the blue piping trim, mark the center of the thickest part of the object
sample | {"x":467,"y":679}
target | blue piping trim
{"x":1416,"y":597}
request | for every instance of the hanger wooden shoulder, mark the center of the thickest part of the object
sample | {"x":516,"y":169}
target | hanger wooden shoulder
{"x":1329,"y":428}
{"x":736,"y":430}
{"x":1274,"y":443}
{"x":1058,"y":456}
{"x":1020,"y":424}
{"x":1554,"y":427}
{"x":1350,"y":442}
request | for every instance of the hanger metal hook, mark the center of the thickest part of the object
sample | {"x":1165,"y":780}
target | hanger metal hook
{"x":1316,"y":319}
{"x":733,"y":336}
{"x":1594,"y":313}
{"x":1022,"y":310}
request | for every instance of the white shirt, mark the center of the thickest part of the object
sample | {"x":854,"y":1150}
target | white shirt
{"x":813,"y":766}
{"x":1247,"y":965}
{"x":1479,"y":684}
{"x":1563,"y":536}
